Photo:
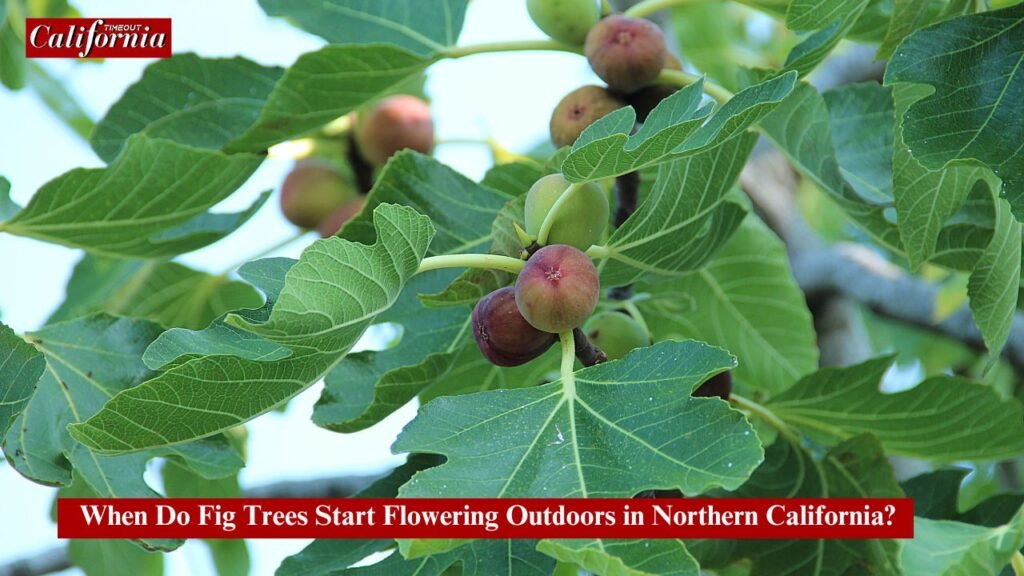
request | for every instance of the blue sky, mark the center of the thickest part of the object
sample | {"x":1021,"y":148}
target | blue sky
{"x":507,"y":96}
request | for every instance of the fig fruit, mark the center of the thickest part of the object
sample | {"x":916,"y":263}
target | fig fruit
{"x":719,"y":385}
{"x":627,"y":53}
{"x":564,"y":20}
{"x":557,"y":289}
{"x":312,"y":191}
{"x":615,"y":334}
{"x":395,"y":123}
{"x":578,"y":110}
{"x":581,"y":220}
{"x":502,"y":334}
{"x":337,"y":220}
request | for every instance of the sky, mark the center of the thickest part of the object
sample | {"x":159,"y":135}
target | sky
{"x":505,"y":96}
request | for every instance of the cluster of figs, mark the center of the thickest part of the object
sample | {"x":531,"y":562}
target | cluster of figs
{"x":558,"y":288}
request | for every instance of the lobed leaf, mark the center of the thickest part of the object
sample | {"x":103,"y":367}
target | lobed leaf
{"x":590,"y":436}
{"x":945,"y":548}
{"x":667,"y":557}
{"x":329,"y":298}
{"x":943,"y":419}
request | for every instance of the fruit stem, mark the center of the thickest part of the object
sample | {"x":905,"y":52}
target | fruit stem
{"x":599,"y":252}
{"x":490,"y":261}
{"x":552,"y":215}
{"x":586,"y":351}
{"x":764,"y":414}
{"x":568,"y":363}
{"x":266,"y":251}
{"x":684,"y":79}
{"x":512,"y":46}
{"x":1017,"y":562}
{"x":648,"y":7}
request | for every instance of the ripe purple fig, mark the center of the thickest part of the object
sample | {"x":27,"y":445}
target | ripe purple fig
{"x":578,"y":110}
{"x":312,"y":191}
{"x":557,"y":289}
{"x":502,"y":334}
{"x":394,"y":124}
{"x":719,"y":385}
{"x":337,"y":220}
{"x":627,"y":53}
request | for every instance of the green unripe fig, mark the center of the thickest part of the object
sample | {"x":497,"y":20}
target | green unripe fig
{"x":395,"y":123}
{"x":578,"y":110}
{"x":581,"y":220}
{"x":719,"y":385}
{"x":312,"y":191}
{"x":564,"y":20}
{"x":627,"y":53}
{"x":337,"y":220}
{"x":557,"y":289}
{"x":615,"y":334}
{"x":502,"y":334}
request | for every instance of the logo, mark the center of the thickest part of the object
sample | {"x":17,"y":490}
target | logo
{"x":98,"y":37}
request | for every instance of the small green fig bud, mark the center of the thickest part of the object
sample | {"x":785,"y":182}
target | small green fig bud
{"x":581,"y":220}
{"x":395,"y":123}
{"x":312,"y":191}
{"x":578,"y":110}
{"x":337,"y":220}
{"x":719,"y":385}
{"x":557,"y":289}
{"x":627,"y":53}
{"x":615,"y":334}
{"x":502,"y":334}
{"x":564,"y":20}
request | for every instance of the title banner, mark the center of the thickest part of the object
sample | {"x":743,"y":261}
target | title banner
{"x":842,"y":518}
{"x":98,"y":37}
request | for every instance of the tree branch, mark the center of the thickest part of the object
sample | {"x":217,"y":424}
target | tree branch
{"x":56,"y":559}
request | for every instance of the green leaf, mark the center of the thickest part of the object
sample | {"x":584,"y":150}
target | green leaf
{"x":805,"y":56}
{"x":12,"y":46}
{"x":943,"y":419}
{"x":746,"y":301}
{"x":195,"y":101}
{"x":684,"y":220}
{"x":862,"y":133}
{"x":268,"y":275}
{"x":614,"y":429}
{"x":20,"y":369}
{"x":856,"y":468}
{"x":167,"y":293}
{"x":935,"y":493}
{"x":624,"y":557}
{"x":678,"y":126}
{"x":974,"y":112}
{"x":907,"y":16}
{"x":993,"y":284}
{"x":7,"y":206}
{"x":420,"y":26}
{"x":513,"y":179}
{"x":88,"y":361}
{"x":330,"y":296}
{"x":800,"y":128}
{"x":944,"y":548}
{"x":925,"y":199}
{"x":150,"y":203}
{"x":327,"y":84}
{"x":816,"y":14}
{"x":370,"y":385}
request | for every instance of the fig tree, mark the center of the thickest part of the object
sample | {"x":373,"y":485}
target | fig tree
{"x":578,"y":110}
{"x":564,"y":20}
{"x":719,"y":385}
{"x":312,"y":191}
{"x":502,"y":334}
{"x":580,"y":221}
{"x":557,"y":289}
{"x":615,"y":334}
{"x":627,"y":53}
{"x":395,"y":123}
{"x":347,"y":211}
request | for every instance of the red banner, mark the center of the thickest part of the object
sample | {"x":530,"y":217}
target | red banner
{"x":98,"y":37}
{"x":842,"y":518}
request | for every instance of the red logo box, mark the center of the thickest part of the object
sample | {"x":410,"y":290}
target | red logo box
{"x":98,"y":37}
